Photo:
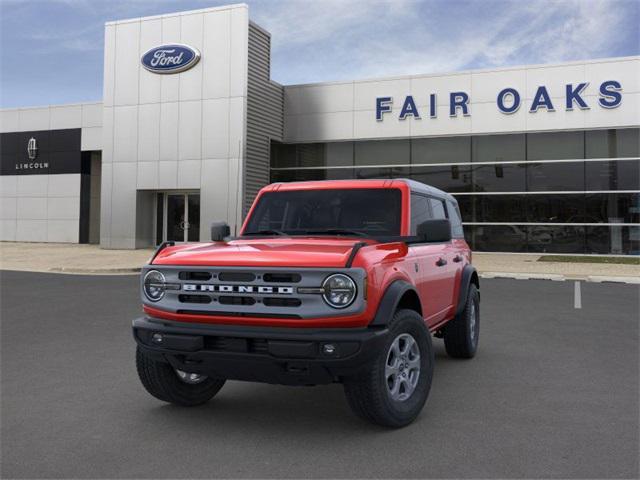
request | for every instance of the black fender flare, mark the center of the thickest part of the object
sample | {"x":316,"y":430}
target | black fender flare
{"x":390,"y":300}
{"x":469,"y":275}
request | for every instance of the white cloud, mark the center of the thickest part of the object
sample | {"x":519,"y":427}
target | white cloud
{"x":332,"y":39}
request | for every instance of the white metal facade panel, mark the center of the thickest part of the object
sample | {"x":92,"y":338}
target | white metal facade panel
{"x":162,"y":128}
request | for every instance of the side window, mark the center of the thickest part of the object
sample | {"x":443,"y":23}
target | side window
{"x":456,"y":221}
{"x":420,"y":211}
{"x":437,"y":207}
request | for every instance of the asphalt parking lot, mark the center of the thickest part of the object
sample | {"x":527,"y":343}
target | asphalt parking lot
{"x":553,"y":392}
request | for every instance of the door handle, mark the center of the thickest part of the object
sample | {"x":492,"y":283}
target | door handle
{"x":457,"y":259}
{"x":441,"y":262}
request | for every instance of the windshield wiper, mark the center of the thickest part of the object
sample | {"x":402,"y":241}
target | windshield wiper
{"x":336,"y":231}
{"x":265,"y":232}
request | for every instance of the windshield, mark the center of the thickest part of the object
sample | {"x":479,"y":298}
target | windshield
{"x":357,"y":212}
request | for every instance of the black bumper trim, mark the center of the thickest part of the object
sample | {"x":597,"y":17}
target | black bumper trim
{"x":290,"y":356}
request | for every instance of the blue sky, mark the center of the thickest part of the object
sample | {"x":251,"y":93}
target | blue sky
{"x":51,"y":50}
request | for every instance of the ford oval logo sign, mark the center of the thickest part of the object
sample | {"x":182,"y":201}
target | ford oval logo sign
{"x":172,"y":58}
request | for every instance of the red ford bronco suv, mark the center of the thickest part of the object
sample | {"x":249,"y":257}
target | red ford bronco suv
{"x":328,"y":281}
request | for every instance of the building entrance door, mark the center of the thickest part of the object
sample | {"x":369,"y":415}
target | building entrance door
{"x":182,"y":217}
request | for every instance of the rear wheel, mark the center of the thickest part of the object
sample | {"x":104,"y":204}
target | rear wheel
{"x":392,"y":390}
{"x":175,"y":386}
{"x":461,"y":334}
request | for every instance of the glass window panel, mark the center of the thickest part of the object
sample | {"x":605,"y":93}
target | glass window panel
{"x":498,"y":238}
{"x":374,"y":173}
{"x":613,"y":207}
{"x":382,"y":152}
{"x":194,"y":217}
{"x":624,"y":142}
{"x":454,"y":217}
{"x":438,"y":209}
{"x":556,"y":239}
{"x":499,"y":148}
{"x":374,"y":211}
{"x":338,"y":154}
{"x":450,"y":178}
{"x":613,"y":175}
{"x":420,"y":211}
{"x":466,"y":206}
{"x":499,"y":178}
{"x":310,"y":154}
{"x":283,"y":155}
{"x":441,"y":150}
{"x":498,"y":208}
{"x":613,"y":240}
{"x":312,"y":174}
{"x":543,"y":177}
{"x":555,"y":145}
{"x":555,"y":208}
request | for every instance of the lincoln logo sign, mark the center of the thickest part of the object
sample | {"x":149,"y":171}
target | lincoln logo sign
{"x":172,"y":58}
{"x":508,"y":101}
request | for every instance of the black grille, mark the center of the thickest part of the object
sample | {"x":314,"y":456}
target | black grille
{"x":194,"y":298}
{"x":236,"y":277}
{"x":282,"y":277}
{"x":195,"y":276}
{"x":282,"y":302}
{"x":236,"y":300}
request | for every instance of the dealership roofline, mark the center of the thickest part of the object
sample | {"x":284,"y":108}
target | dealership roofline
{"x":179,"y":14}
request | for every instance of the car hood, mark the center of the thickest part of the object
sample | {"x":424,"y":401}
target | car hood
{"x":264,"y":252}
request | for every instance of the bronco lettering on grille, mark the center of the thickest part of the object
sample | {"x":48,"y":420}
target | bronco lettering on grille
{"x":265,"y":289}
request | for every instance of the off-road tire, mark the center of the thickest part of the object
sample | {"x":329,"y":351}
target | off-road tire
{"x":458,"y":339}
{"x":161,"y":381}
{"x":367,"y":393}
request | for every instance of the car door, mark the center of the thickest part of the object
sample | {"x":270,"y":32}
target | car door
{"x":430,"y":266}
{"x":449,"y":261}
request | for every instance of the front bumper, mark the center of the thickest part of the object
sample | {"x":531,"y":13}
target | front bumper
{"x":288,"y":356}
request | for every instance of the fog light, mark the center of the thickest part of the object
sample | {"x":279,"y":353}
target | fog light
{"x":156,"y":338}
{"x":329,"y":348}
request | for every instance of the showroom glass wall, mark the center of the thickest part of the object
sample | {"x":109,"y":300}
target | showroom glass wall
{"x":561,"y":192}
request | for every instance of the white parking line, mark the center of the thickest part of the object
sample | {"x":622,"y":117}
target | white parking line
{"x":577,"y":296}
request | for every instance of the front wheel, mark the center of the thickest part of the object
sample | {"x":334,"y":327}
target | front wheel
{"x":392,"y":390}
{"x":175,"y":386}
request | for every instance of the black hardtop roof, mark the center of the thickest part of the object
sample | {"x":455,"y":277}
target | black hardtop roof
{"x":419,"y":187}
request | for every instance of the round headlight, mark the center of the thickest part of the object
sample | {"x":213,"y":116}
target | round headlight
{"x":153,"y":285}
{"x":339,"y":290}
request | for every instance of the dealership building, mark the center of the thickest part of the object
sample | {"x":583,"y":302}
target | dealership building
{"x":541,"y":158}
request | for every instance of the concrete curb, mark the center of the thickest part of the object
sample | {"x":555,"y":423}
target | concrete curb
{"x":95,"y":271}
{"x":561,"y":278}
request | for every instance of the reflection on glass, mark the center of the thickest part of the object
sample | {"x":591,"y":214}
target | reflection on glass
{"x":499,"y":148}
{"x":194,"y":217}
{"x":175,"y":218}
{"x":440,"y":150}
{"x":382,"y":152}
{"x":556,"y":208}
{"x":555,"y":145}
{"x":613,"y":175}
{"x":543,"y":177}
{"x":612,"y":143}
{"x":613,"y":240}
{"x":450,"y":178}
{"x":556,"y":239}
{"x":499,"y":178}
{"x":613,"y":207}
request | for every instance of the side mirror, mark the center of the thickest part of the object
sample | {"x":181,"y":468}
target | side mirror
{"x":436,"y":231}
{"x":219,"y":231}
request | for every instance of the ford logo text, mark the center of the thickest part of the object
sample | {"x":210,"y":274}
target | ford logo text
{"x":172,"y":58}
